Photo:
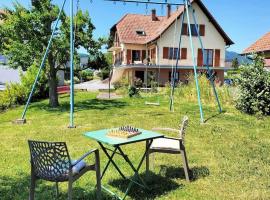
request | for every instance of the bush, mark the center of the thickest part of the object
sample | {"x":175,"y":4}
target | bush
{"x":123,"y":83}
{"x":188,"y":91}
{"x":254,"y":88}
{"x":86,"y":75}
{"x":138,"y":82}
{"x":104,"y":73}
{"x":17,"y":93}
{"x":133,"y":91}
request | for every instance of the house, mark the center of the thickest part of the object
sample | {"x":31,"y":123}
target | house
{"x":261,"y":46}
{"x":145,"y":44}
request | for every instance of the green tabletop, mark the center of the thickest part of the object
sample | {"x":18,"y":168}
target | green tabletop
{"x":101,"y":136}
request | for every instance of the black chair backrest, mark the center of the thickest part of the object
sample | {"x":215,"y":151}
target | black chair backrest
{"x":50,"y":160}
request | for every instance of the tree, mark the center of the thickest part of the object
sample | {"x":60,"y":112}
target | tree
{"x":235,"y":64}
{"x":25,"y":32}
{"x":254,"y":88}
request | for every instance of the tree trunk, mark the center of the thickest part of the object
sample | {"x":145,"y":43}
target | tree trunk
{"x":52,"y":83}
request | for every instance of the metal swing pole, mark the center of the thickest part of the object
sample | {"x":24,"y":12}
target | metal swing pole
{"x":173,"y":76}
{"x":71,"y":123}
{"x":208,"y":69}
{"x":43,"y":61}
{"x":194,"y":62}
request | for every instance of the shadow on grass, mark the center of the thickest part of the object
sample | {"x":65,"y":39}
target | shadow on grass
{"x":178,"y":172}
{"x":92,"y":104}
{"x":159,"y":185}
{"x":18,"y":188}
{"x":214,"y":116}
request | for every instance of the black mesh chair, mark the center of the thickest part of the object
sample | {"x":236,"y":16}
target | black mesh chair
{"x":171,"y":145}
{"x":50,"y":161}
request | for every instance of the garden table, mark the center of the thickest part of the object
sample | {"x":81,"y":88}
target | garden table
{"x":101,"y":137}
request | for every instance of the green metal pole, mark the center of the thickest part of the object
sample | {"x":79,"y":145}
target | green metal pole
{"x":208,"y":69}
{"x":194,"y":62}
{"x":43,"y":61}
{"x":71,"y":123}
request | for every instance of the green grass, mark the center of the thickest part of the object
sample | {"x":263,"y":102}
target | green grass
{"x":228,"y":155}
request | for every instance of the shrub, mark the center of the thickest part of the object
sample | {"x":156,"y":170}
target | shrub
{"x":87,"y":75}
{"x":133,"y":91}
{"x":104,"y":73}
{"x":138,"y":82}
{"x":188,"y":91}
{"x":123,"y":83}
{"x":254,"y":88}
{"x":17,"y":93}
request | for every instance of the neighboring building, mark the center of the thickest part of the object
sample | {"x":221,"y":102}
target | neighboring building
{"x":145,"y":43}
{"x":261,"y":46}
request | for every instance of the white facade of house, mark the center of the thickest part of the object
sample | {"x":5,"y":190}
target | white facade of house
{"x":211,"y":40}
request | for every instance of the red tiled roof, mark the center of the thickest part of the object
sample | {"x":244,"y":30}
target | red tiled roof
{"x":130,"y":23}
{"x":261,"y":45}
{"x":128,"y":26}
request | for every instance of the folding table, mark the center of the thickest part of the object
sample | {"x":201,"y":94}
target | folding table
{"x":101,"y":137}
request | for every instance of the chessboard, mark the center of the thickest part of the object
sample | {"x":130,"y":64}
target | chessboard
{"x":124,"y":132}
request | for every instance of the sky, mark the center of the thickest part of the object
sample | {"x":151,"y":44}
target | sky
{"x":244,"y":21}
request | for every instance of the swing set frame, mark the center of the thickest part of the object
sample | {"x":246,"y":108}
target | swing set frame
{"x":188,"y":9}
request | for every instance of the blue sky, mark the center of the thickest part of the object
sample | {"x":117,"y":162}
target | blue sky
{"x":243,"y":20}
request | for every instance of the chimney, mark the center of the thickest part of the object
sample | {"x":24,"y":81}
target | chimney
{"x":154,"y":15}
{"x":169,"y":9}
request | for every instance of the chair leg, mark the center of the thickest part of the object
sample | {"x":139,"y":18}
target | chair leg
{"x":185,"y":164}
{"x":32,"y":188}
{"x":98,"y":177}
{"x":70,"y":190}
{"x":147,"y":159}
{"x":57,"y":189}
{"x":153,"y":161}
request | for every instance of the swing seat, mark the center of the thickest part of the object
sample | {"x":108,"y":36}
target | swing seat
{"x":152,"y":103}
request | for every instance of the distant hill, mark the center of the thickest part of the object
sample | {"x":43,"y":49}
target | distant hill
{"x":230,"y":55}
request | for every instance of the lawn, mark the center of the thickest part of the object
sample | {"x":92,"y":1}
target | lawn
{"x":228,"y":155}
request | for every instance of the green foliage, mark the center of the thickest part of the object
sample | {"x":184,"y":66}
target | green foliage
{"x":86,"y":75}
{"x":25,"y":32}
{"x":235,"y":63}
{"x":133,"y":91}
{"x":138,"y":82}
{"x":104,"y":73}
{"x":189,"y":92}
{"x":123,"y":83}
{"x":17,"y":93}
{"x":254,"y":88}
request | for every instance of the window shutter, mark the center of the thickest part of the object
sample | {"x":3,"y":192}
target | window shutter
{"x":200,"y":58}
{"x":165,"y":52}
{"x":184,"y":53}
{"x":129,"y":57}
{"x":217,"y":58}
{"x":202,"y":30}
{"x":185,"y":29}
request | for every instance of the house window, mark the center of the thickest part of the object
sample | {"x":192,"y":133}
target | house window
{"x":141,"y":33}
{"x":136,"y":55}
{"x":201,"y":29}
{"x":193,"y":29}
{"x":208,"y":57}
{"x":176,"y":76}
{"x":173,"y":53}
